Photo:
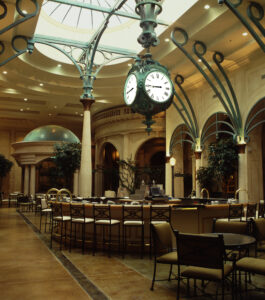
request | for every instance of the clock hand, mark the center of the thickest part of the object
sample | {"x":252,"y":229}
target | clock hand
{"x":129,"y":91}
{"x":154,"y":86}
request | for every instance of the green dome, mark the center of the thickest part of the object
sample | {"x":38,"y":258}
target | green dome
{"x":51,"y":133}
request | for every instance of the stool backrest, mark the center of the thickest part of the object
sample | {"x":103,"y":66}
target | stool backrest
{"x":160,"y":213}
{"x":77,"y":211}
{"x":251,"y":210}
{"x":101,"y":212}
{"x":132,"y":213}
{"x":235,"y":211}
{"x":44,"y":204}
{"x":57,"y":210}
{"x":261,"y":209}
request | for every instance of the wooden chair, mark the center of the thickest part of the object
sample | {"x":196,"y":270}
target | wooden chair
{"x":58,"y":218}
{"x":78,"y":217}
{"x":24,"y":203}
{"x":163,"y":237}
{"x":204,"y":257}
{"x":132,"y":217}
{"x":159,"y":214}
{"x":102,"y":217}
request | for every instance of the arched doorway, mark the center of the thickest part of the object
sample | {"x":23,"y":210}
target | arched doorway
{"x":110,"y":168}
{"x":150,"y":160}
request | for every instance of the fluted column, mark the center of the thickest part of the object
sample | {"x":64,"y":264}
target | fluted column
{"x":197,"y":166}
{"x":32,"y":179}
{"x":26,"y":180}
{"x":85,"y":178}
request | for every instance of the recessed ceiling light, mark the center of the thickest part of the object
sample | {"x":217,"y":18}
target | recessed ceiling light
{"x":21,"y":109}
{"x":49,"y":115}
{"x":244,"y":33}
{"x":59,"y":65}
{"x":28,"y":108}
{"x":24,"y":11}
{"x":4,"y":72}
{"x":25,"y":99}
{"x":55,"y":106}
{"x":41,"y":84}
{"x":199,"y":60}
{"x":81,"y":115}
{"x":76,"y":113}
{"x":129,"y":65}
{"x":167,"y":40}
{"x":207,"y":6}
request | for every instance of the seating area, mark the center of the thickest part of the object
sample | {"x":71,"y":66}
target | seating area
{"x":97,"y":229}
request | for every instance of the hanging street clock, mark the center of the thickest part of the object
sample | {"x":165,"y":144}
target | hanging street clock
{"x":148,"y":89}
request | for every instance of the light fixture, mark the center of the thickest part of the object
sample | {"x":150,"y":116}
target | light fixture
{"x":129,"y":65}
{"x":167,"y":40}
{"x":4,"y":72}
{"x":49,"y":115}
{"x":76,"y":113}
{"x":24,"y":11}
{"x":81,"y":115}
{"x":41,"y":84}
{"x":55,"y":106}
{"x":207,"y":6}
{"x":25,"y":99}
{"x":244,"y":33}
{"x":199,"y":60}
{"x":21,"y":109}
{"x":28,"y":108}
{"x":59,"y":65}
{"x":172,"y":162}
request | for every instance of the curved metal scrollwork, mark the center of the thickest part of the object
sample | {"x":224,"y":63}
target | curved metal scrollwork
{"x":255,"y":18}
{"x":25,"y":16}
{"x":4,"y":7}
{"x":18,"y":51}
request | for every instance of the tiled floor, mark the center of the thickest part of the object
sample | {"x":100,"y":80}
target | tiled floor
{"x":28,"y":270}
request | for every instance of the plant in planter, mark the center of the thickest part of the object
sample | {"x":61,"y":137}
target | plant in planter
{"x":222,"y":164}
{"x":5,"y":167}
{"x":67,"y":158}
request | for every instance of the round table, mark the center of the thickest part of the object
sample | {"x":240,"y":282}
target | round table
{"x":235,"y":240}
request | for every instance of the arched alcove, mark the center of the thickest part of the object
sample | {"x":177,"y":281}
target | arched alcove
{"x":150,"y":156}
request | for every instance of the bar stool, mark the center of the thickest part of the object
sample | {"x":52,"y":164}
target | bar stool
{"x":132,"y":217}
{"x":235,"y":211}
{"x":102,"y":217}
{"x":251,"y":211}
{"x":45,"y":210}
{"x":77,"y":212}
{"x":59,"y":218}
{"x":261,"y":209}
{"x":158,"y":214}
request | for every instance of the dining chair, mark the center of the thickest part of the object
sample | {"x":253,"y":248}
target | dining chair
{"x":159,"y":214}
{"x":261,"y":209}
{"x":78,"y":217}
{"x":132,"y":217}
{"x":220,"y":226}
{"x":203,"y":257}
{"x":164,"y":252}
{"x":103,"y":219}
{"x":47,"y":211}
{"x":24,"y":203}
{"x":235,"y":211}
{"x":259,"y":234}
{"x":59,"y":222}
{"x":251,"y":211}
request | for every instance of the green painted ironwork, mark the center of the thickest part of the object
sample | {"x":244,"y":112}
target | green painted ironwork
{"x":25,"y":16}
{"x":255,"y":19}
{"x":215,"y":126}
{"x":103,"y":9}
{"x":252,"y":122}
{"x":180,"y":136}
{"x":148,"y":10}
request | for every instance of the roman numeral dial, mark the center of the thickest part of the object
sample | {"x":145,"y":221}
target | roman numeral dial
{"x":130,"y":89}
{"x":158,"y":86}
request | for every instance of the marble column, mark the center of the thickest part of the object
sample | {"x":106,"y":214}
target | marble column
{"x":26,"y":180}
{"x":85,"y":176}
{"x":76,"y":175}
{"x":32,"y":180}
{"x":197,"y":166}
{"x":242,"y":174}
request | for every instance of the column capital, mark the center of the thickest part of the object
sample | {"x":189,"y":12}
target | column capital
{"x":87,"y":102}
{"x":241,"y":148}
{"x":198,"y":154}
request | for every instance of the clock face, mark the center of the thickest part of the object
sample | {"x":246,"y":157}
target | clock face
{"x":130,"y":89}
{"x":158,"y":86}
